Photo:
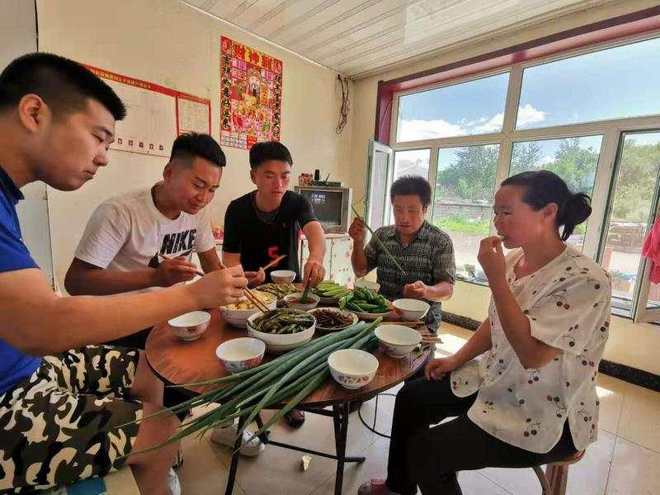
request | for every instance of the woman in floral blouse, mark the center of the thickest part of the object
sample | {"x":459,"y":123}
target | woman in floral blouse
{"x":530,"y":398}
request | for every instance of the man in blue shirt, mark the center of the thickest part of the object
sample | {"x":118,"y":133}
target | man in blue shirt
{"x":70,"y":414}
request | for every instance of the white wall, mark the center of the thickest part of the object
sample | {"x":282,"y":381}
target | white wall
{"x":635,"y":345}
{"x":169,"y":43}
{"x":18,"y":36}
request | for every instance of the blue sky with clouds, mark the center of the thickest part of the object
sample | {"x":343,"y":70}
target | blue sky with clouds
{"x":614,"y":83}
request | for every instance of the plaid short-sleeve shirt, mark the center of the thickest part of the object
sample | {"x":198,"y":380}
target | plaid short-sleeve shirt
{"x":429,"y":257}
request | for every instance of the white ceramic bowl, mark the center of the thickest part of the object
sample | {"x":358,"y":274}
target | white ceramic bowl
{"x":367,"y":284}
{"x":352,"y":368}
{"x":238,"y":317}
{"x":411,"y":309}
{"x":241,"y":354}
{"x":291,"y":299}
{"x":190,"y":326}
{"x":397,"y":340}
{"x":281,"y":342}
{"x":283,"y":276}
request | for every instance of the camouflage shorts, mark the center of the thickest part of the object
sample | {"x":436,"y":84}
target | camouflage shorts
{"x":63,"y":423}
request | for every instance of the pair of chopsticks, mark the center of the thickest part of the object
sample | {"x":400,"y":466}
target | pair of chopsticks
{"x":305,"y":293}
{"x":251,"y":296}
{"x":380,"y":243}
{"x":274,"y":262}
{"x":197,"y":272}
{"x":410,"y":324}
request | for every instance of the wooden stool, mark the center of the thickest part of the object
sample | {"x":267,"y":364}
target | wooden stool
{"x":553,"y":480}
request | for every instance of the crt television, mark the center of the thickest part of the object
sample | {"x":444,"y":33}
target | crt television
{"x":332,"y":206}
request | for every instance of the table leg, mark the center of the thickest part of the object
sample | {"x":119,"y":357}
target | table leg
{"x":234,"y":459}
{"x":260,"y":424}
{"x":340,"y":420}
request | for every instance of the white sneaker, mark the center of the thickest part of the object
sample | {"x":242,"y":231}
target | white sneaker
{"x":227,"y":437}
{"x":173,"y":482}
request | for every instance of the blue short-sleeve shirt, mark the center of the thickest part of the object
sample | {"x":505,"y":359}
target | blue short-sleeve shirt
{"x":14,"y":255}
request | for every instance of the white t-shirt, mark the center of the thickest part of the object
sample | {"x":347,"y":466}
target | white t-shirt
{"x":128,"y":233}
{"x":568,"y":305}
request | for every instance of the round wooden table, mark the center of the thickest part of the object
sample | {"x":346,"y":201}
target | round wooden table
{"x":177,"y":362}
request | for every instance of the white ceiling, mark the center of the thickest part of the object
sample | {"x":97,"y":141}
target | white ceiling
{"x":362,"y":37}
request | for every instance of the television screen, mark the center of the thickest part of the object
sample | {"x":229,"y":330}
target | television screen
{"x":327,"y":206}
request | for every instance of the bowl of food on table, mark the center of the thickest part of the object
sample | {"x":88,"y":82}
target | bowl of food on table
{"x":333,"y":319}
{"x":241,"y":354}
{"x":366,"y":304}
{"x":367,"y":284}
{"x":411,"y":309}
{"x":330,"y":292}
{"x":283,"y":276}
{"x":237,"y":314}
{"x":397,"y":340}
{"x":190,"y":326}
{"x":295,"y":301}
{"x":280,"y":291}
{"x":352,"y":368}
{"x":282,"y":329}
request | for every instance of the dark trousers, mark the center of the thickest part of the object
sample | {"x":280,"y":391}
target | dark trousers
{"x":431,"y":457}
{"x":171,"y":396}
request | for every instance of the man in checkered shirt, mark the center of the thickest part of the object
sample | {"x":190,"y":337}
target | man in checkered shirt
{"x":423,"y":250}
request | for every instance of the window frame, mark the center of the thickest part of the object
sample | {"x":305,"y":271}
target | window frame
{"x":610,"y":129}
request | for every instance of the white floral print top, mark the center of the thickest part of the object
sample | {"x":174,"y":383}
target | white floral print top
{"x":568,"y":305}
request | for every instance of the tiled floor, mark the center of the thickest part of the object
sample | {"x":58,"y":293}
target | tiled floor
{"x":624,"y":461}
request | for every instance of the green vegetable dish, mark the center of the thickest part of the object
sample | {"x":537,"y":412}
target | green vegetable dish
{"x":331,"y":290}
{"x":283,"y":321}
{"x":365,"y":301}
{"x":278,"y":290}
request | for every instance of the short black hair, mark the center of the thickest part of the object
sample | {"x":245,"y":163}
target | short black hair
{"x":412,"y":184}
{"x":543,"y":187}
{"x":63,"y":84}
{"x":269,"y":150}
{"x":191,"y":145}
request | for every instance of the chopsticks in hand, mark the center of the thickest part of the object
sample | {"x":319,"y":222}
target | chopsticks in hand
{"x":380,"y":243}
{"x":274,"y":262}
{"x":251,"y":296}
{"x":167,"y":258}
{"x":305,"y":293}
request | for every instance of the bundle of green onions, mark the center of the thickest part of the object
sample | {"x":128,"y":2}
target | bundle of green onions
{"x":287,"y":380}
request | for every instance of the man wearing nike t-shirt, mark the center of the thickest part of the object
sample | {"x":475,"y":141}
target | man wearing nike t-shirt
{"x":144,"y":240}
{"x":266,"y":223}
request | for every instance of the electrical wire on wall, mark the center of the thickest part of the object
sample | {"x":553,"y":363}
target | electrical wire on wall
{"x":345,"y":103}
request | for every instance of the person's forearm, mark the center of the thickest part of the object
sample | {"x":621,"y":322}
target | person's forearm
{"x":516,"y":327}
{"x":359,"y":260}
{"x":440,"y":291}
{"x":231,"y":259}
{"x":71,"y":322}
{"x":210,"y":266}
{"x":209,"y":260}
{"x":97,"y":282}
{"x":316,"y":248}
{"x":478,"y":343}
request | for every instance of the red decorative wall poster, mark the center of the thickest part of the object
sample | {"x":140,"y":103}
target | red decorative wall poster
{"x":250,"y":95}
